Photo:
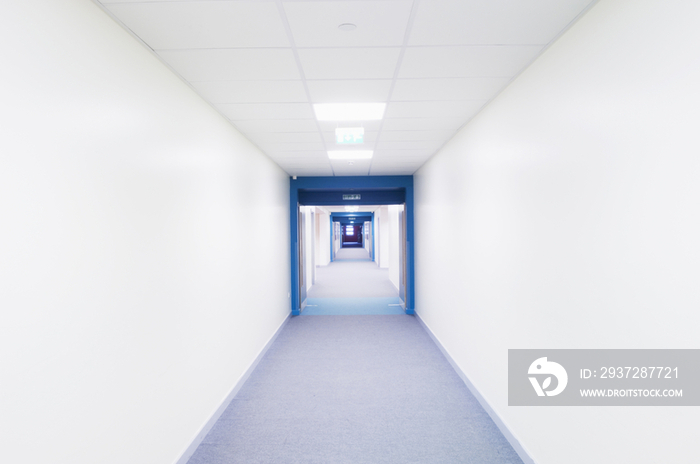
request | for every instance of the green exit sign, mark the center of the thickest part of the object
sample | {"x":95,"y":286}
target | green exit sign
{"x":349,"y":135}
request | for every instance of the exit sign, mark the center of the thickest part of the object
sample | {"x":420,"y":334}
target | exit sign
{"x":351,"y":197}
{"x":349,"y":135}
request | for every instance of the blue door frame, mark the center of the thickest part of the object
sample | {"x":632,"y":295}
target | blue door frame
{"x":328,"y":191}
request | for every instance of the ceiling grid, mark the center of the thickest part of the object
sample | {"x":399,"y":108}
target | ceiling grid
{"x":263,"y":64}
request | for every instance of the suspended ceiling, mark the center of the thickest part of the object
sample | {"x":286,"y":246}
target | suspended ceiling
{"x":263,"y":63}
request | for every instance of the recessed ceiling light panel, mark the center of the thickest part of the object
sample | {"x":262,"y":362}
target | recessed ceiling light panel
{"x":349,"y":111}
{"x":350,"y":154}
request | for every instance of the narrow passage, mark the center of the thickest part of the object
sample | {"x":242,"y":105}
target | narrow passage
{"x":361,"y":383}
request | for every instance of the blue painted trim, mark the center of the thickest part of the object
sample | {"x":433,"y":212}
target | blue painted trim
{"x":348,"y":184}
{"x":374,"y":240}
{"x":294,"y":247}
{"x":410,"y":270}
{"x":332,"y":235}
{"x":359,"y":214}
{"x":352,"y":182}
{"x":347,"y":218}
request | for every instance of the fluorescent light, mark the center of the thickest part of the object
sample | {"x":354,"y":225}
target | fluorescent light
{"x":349,"y":111}
{"x":352,"y":209}
{"x":349,"y":154}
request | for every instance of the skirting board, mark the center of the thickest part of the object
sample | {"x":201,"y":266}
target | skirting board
{"x":187,"y":454}
{"x":514,"y":442}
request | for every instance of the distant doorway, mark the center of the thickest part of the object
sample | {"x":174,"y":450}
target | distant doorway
{"x":352,"y":236}
{"x":358,"y":239}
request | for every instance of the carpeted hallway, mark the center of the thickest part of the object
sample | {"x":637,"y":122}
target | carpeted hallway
{"x":364,"y":383}
{"x":352,"y":253}
{"x":352,"y":285}
{"x":354,"y":389}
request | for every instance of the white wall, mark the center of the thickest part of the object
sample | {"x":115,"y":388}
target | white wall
{"x":394,"y":244}
{"x":323,"y":238}
{"x":566,"y":216}
{"x":366,"y":243}
{"x":144,"y":248}
{"x":337,"y":237}
{"x":375,"y":237}
{"x":388,"y":243}
{"x":382,"y":229}
{"x":309,"y":246}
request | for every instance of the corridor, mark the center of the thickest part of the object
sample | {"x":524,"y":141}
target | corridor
{"x":360,"y":383}
{"x":352,"y":285}
{"x":164,"y":165}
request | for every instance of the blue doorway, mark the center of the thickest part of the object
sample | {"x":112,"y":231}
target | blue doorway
{"x":351,"y":229}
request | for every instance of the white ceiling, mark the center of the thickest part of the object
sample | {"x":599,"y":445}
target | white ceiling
{"x":263,"y":63}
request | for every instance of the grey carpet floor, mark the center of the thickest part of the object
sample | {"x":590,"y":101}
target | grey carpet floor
{"x":351,"y":277}
{"x":354,"y":389}
{"x":351,"y":253}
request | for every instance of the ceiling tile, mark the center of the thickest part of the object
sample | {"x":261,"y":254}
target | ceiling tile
{"x":232,"y":64}
{"x":285,"y":137}
{"x":412,"y":166}
{"x":291,"y":146}
{"x":237,"y":55}
{"x":406,"y":136}
{"x":398,"y":164}
{"x":276,"y":125}
{"x":297,"y":170}
{"x":430,"y":145}
{"x":148,"y":1}
{"x":310,"y":172}
{"x":349,"y":63}
{"x":296,"y":157}
{"x":345,"y":168}
{"x":379,"y":23}
{"x":251,"y":91}
{"x":204,"y":24}
{"x":299,"y":164}
{"x":392,"y":171}
{"x":464,"y":109}
{"x":236,"y":111}
{"x":461,"y":88}
{"x":302,"y":160}
{"x":458,"y":22}
{"x":348,"y":91}
{"x":402,"y":154}
{"x":422,"y":123}
{"x":370,"y":126}
{"x":467,"y":61}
